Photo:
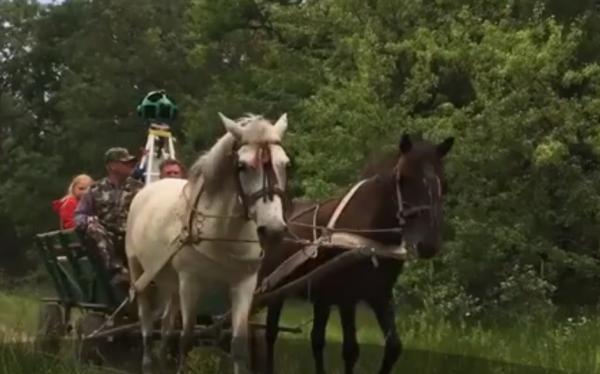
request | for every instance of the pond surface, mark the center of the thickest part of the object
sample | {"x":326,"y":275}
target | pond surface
{"x":294,"y":357}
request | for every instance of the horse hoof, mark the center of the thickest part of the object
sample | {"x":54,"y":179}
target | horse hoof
{"x":147,"y":365}
{"x":181,"y":369}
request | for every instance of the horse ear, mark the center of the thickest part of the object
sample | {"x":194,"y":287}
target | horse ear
{"x":281,"y":125}
{"x":232,"y":127}
{"x":405,"y":143}
{"x":444,"y":147}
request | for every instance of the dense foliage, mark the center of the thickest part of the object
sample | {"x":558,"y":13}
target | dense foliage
{"x":517,"y":83}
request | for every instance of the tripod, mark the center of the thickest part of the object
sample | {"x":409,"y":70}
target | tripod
{"x":159,"y":147}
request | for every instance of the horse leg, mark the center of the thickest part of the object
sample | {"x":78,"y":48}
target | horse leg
{"x":189,"y":294}
{"x":145,"y":315}
{"x":321,"y":316}
{"x":384,"y":312}
{"x":241,"y":301}
{"x":273,"y":315}
{"x":350,"y":349}
{"x":168,"y":324}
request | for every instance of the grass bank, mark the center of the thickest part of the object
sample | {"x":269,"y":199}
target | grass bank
{"x":571,"y":345}
{"x":568,"y":345}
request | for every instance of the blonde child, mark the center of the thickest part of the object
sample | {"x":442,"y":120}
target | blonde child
{"x":65,"y":206}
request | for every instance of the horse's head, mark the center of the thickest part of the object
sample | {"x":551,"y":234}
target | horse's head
{"x":261,"y":172}
{"x":421,"y":187}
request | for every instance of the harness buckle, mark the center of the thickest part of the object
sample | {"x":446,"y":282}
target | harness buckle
{"x":374,"y":260}
{"x":401,"y":220}
{"x":312,"y":250}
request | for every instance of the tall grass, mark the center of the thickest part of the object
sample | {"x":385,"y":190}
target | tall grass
{"x":568,"y":345}
{"x":18,"y":313}
{"x":21,"y":359}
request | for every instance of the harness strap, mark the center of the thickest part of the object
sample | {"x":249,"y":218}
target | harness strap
{"x":290,"y":265}
{"x":345,"y":241}
{"x":149,"y":273}
{"x":310,"y":251}
{"x":400,"y":212}
{"x":299,"y":214}
{"x":314,"y":223}
{"x":193,"y":211}
{"x":342,"y":205}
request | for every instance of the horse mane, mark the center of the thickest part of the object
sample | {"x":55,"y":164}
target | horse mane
{"x":380,"y":164}
{"x":213,"y":163}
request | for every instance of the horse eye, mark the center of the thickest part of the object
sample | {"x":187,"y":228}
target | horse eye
{"x":241,"y":166}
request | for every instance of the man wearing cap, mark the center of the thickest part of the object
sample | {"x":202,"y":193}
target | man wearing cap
{"x":102,"y":211}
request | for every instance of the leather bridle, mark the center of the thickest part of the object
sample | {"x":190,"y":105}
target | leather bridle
{"x":434,"y":189}
{"x":271,"y":185}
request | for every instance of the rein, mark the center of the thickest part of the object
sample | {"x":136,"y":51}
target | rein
{"x":354,"y":231}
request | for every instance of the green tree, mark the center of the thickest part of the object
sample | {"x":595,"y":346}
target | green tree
{"x":505,"y":79}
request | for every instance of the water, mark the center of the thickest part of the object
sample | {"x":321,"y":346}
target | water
{"x":294,"y":357}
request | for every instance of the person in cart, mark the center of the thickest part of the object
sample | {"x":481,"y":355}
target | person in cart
{"x":102,"y":212}
{"x":65,"y":206}
{"x":171,"y":168}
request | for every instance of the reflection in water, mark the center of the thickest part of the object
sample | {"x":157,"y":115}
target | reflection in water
{"x":294,"y":357}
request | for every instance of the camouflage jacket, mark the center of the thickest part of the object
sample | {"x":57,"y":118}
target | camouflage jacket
{"x":109,"y":203}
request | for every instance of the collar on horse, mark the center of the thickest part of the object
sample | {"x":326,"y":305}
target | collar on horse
{"x":403,"y":208}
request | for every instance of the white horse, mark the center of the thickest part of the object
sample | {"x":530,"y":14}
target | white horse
{"x":233,"y":200}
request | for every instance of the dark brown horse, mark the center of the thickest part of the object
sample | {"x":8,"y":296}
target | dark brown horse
{"x":407,"y":194}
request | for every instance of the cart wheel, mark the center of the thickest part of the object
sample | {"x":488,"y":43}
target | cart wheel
{"x":258,"y":350}
{"x":93,"y":351}
{"x":51,"y":328}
